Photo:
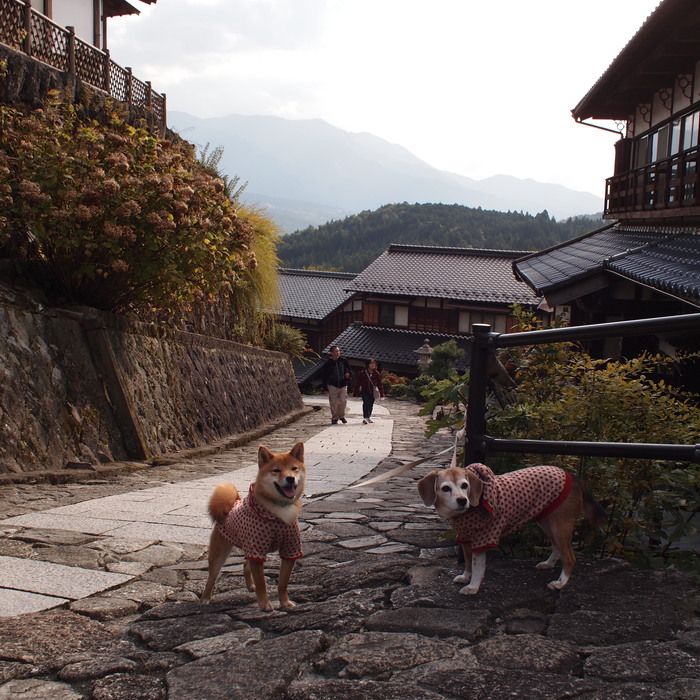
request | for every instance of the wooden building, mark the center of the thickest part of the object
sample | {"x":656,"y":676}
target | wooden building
{"x":646,"y":262}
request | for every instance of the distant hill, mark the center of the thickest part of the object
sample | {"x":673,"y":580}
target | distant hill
{"x":351,"y":244}
{"x":307,"y":172}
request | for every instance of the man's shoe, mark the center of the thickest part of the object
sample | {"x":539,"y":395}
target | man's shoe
{"x":334,"y":421}
{"x":364,"y":421}
{"x":343,"y":420}
{"x":369,"y":420}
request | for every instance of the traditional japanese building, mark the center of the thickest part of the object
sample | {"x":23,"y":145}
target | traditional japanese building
{"x":87,"y":17}
{"x":646,"y":263}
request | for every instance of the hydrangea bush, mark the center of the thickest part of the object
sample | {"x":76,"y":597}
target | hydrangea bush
{"x":113,"y":216}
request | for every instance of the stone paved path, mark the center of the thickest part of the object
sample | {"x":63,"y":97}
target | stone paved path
{"x":377,"y":612}
{"x":172,"y":513}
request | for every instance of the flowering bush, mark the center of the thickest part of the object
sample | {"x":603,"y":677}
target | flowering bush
{"x":112,"y":216}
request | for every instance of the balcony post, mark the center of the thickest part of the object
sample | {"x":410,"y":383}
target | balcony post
{"x":107,"y":82}
{"x":71,"y":51}
{"x":129,"y":86}
{"x":27,"y":41}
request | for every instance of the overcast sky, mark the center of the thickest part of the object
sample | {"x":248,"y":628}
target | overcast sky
{"x":476,"y":87}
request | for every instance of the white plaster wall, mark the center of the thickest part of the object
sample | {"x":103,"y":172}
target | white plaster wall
{"x":75,"y":13}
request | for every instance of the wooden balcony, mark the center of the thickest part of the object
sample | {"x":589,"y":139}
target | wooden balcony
{"x":666,"y":189}
{"x":23,"y":29}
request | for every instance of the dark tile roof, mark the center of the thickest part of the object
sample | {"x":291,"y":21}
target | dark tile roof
{"x":651,"y":60}
{"x":391,"y":346}
{"x":312,"y":294}
{"x":664,"y":258}
{"x":305,"y":370}
{"x":462,"y":274}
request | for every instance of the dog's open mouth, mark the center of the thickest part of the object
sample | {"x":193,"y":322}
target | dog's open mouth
{"x":288,"y":491}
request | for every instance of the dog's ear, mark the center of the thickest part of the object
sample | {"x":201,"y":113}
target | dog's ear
{"x":298,"y":452}
{"x":476,"y":488}
{"x":264,"y":455}
{"x":427,"y":488}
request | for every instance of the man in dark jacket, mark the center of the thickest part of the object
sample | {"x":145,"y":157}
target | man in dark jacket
{"x":336,"y":378}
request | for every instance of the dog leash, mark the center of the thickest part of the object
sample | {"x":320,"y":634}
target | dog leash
{"x":381,"y":477}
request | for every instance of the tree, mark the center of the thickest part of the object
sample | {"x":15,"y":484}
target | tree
{"x":444,"y":359}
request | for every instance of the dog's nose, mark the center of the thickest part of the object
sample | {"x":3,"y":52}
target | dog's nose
{"x":462,"y":502}
{"x":290,"y":479}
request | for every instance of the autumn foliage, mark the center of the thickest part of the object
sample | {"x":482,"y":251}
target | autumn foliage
{"x":112,"y":216}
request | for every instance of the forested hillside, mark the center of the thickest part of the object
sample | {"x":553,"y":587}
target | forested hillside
{"x":351,"y":244}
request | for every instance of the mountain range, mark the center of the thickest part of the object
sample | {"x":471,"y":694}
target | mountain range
{"x":307,"y":172}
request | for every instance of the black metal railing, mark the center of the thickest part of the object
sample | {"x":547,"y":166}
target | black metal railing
{"x":485,"y":343}
{"x":24,"y":29}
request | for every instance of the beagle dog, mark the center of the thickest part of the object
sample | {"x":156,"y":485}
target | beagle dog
{"x":482,"y":507}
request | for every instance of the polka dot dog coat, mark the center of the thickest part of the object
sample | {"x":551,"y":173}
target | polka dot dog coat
{"x":510,"y":501}
{"x":257,"y":532}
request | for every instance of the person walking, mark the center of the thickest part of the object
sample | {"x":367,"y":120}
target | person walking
{"x":369,"y":386}
{"x":336,"y":378}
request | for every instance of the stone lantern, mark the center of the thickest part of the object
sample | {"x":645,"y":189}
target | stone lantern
{"x":424,"y":354}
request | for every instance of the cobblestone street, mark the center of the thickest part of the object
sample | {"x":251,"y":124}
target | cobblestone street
{"x":99,"y":587}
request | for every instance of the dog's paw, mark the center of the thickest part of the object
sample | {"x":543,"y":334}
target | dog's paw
{"x":462,"y":578}
{"x":266,"y":607}
{"x":469,"y":590}
{"x":287,"y":605}
{"x":556,"y":585}
{"x":545,"y":565}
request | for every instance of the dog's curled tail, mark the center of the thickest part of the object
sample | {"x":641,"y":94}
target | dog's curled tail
{"x":593,"y":510}
{"x":221,"y":501}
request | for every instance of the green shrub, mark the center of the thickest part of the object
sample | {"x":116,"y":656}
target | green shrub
{"x":287,"y":339}
{"x":444,"y":359}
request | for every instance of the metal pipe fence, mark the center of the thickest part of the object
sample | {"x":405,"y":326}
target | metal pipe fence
{"x":485,"y":342}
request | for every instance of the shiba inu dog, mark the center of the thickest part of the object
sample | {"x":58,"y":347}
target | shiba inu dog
{"x":266,"y":520}
{"x":481,"y":507}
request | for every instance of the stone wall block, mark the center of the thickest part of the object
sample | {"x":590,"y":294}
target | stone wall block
{"x":87,"y":387}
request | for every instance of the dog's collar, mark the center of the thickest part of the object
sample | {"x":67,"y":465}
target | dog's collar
{"x":260,"y":509}
{"x":282,"y":503}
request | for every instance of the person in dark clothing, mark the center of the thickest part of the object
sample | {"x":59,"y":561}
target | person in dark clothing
{"x":336,"y":378}
{"x":369,"y":386}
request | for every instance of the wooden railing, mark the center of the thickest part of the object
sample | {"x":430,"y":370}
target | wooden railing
{"x":24,"y":29}
{"x":670,"y":186}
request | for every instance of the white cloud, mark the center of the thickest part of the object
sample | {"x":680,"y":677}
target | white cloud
{"x":478,"y":88}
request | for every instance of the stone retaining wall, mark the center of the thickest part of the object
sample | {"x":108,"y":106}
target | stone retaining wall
{"x":82,"y":388}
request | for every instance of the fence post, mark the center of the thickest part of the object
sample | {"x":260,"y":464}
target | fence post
{"x":129,"y":86}
{"x":71,"y":51}
{"x":107,"y":73}
{"x":475,"y":446}
{"x":27,"y":42}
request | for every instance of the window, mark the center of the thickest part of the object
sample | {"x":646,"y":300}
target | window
{"x":401,"y":316}
{"x":640,"y":152}
{"x":468,"y":318}
{"x":671,"y":138}
{"x":675,"y":145}
{"x":386,"y":315}
{"x":660,"y":144}
{"x":355,"y":305}
{"x":390,"y":315}
{"x":690,"y":131}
